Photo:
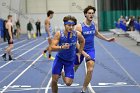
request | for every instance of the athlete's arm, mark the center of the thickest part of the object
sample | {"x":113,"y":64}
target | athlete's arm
{"x":81,"y":41}
{"x":99,"y":35}
{"x":47,"y":26}
{"x":78,"y":28}
{"x":55,"y":41}
{"x":83,"y":52}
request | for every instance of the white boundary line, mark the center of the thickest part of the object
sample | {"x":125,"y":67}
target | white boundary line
{"x":47,"y":88}
{"x":29,"y":88}
{"x":44,"y":80}
{"x":21,"y":74}
{"x":14,"y":41}
{"x":89,"y":85}
{"x":17,"y":42}
{"x":22,"y":54}
{"x":17,"y":69}
{"x":117,"y":62}
{"x":21,"y":46}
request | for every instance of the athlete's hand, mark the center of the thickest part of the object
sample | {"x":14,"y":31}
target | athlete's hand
{"x":111,"y":39}
{"x":66,"y":46}
{"x":11,"y":40}
{"x":87,"y":57}
{"x":78,"y":55}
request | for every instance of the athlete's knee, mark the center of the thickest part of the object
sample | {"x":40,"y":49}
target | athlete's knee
{"x":90,"y":69}
{"x":68,"y":83}
{"x":90,"y":66}
{"x":10,"y":46}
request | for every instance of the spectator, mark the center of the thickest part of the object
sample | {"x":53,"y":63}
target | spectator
{"x":38,"y":24}
{"x":29,"y":29}
{"x":18,"y":30}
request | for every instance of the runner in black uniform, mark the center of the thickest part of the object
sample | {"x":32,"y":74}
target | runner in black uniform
{"x":9,"y":35}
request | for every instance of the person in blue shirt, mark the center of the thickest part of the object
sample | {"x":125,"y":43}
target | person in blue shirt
{"x":65,"y":42}
{"x":89,"y":31}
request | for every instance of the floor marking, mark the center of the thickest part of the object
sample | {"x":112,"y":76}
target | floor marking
{"x":47,"y":88}
{"x":72,"y":85}
{"x":14,"y":41}
{"x":21,"y":74}
{"x":114,"y":84}
{"x":29,"y":88}
{"x":21,"y":55}
{"x":21,"y":46}
{"x":117,"y":62}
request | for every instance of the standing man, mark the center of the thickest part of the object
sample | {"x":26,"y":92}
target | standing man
{"x":29,"y":29}
{"x":49,"y":32}
{"x":18,"y":29}
{"x":9,"y":35}
{"x":65,"y":43}
{"x":38,"y":25}
{"x":89,"y":31}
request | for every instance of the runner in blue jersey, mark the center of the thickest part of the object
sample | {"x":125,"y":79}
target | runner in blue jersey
{"x":65,"y":42}
{"x":89,"y":31}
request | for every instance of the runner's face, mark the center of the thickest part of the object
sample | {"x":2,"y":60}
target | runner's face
{"x":51,"y":16}
{"x":11,"y":19}
{"x":89,"y":15}
{"x":69,"y":27}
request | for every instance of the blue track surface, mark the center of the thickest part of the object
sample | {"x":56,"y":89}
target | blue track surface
{"x":116,"y":69}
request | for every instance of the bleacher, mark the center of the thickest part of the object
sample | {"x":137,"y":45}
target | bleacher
{"x":121,"y":29}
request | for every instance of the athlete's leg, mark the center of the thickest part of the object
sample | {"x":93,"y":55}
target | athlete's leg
{"x":68,"y":75}
{"x":56,"y":71}
{"x":49,"y":48}
{"x":90,"y":66}
{"x":54,"y":83}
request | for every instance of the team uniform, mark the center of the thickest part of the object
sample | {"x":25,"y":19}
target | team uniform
{"x":8,"y":36}
{"x":88,"y":33}
{"x":65,"y":57}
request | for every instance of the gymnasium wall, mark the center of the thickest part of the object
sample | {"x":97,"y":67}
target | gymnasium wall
{"x":26,"y":10}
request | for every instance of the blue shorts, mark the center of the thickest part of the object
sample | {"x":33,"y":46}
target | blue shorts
{"x":90,"y":53}
{"x":68,"y":67}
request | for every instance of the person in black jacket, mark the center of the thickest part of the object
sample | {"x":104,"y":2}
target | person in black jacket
{"x":29,"y":29}
{"x":4,"y":28}
{"x":38,"y":24}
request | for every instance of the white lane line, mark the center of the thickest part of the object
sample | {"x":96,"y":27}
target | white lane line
{"x":29,"y":88}
{"x":18,"y":42}
{"x":21,"y":55}
{"x":47,"y":88}
{"x":21,"y":46}
{"x":6,"y":42}
{"x":20,"y":74}
{"x":117,"y":62}
{"x":90,"y":89}
{"x":17,"y":69}
{"x":44,"y":80}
